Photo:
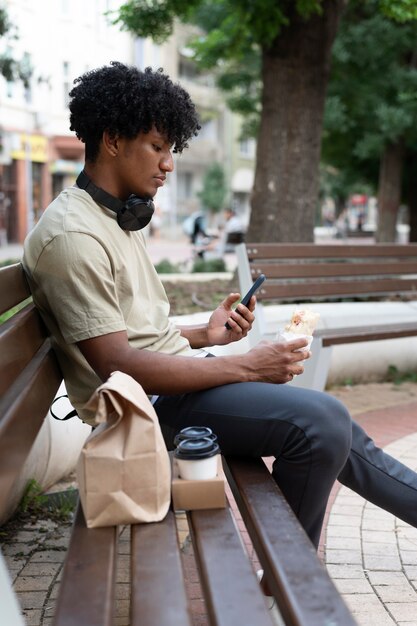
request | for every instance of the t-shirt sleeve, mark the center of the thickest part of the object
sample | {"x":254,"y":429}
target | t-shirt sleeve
{"x":74,"y":274}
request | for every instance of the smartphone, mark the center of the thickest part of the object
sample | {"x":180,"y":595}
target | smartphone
{"x":246,"y":298}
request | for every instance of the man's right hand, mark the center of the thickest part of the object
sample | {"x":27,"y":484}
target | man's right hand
{"x":277,"y":362}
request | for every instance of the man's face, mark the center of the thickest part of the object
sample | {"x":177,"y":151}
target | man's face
{"x":142,"y":164}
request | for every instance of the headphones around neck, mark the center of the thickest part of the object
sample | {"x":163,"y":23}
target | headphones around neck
{"x":133,"y":214}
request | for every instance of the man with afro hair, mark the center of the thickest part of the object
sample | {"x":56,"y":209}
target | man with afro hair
{"x":107,"y":310}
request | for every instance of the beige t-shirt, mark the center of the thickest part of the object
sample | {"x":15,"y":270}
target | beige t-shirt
{"x":90,"y":278}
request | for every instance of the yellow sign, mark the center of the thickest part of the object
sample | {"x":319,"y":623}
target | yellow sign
{"x":32,"y":147}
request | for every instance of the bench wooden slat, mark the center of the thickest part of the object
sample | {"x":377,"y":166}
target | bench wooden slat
{"x":232,"y":593}
{"x":158,"y":591}
{"x":304,"y":591}
{"x":313,"y":250}
{"x":316,"y":270}
{"x":375,"y":332}
{"x":22,"y":409}
{"x":20,"y":339}
{"x":337,"y":289}
{"x":86,"y":595}
{"x":13,"y":287}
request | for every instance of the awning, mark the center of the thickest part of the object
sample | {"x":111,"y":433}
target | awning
{"x":63,"y":166}
{"x":242,"y":180}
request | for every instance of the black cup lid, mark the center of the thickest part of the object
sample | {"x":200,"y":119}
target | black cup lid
{"x":194,"y":432}
{"x":196,"y":449}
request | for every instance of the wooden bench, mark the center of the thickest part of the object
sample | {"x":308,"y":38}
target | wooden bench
{"x":29,"y":379}
{"x":303,"y":273}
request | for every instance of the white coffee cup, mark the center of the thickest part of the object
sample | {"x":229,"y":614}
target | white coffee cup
{"x":197,"y":459}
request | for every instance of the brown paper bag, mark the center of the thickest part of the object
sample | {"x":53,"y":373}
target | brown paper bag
{"x":124,"y":473}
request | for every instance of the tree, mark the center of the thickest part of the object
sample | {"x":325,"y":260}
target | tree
{"x":274,"y":58}
{"x":214,"y":190}
{"x":10,"y":68}
{"x":371,"y":110}
{"x":293,"y":41}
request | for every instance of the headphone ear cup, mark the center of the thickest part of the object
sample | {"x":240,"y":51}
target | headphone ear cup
{"x":136,"y":213}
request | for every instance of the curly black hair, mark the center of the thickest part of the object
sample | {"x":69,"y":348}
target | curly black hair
{"x":126,"y":101}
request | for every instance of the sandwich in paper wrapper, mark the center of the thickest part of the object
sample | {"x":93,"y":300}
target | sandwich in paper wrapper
{"x":302,"y":324}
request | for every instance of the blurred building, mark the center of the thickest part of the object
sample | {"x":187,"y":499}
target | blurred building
{"x":39,"y":155}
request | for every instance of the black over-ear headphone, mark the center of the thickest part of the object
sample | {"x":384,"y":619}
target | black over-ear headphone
{"x":133,"y":214}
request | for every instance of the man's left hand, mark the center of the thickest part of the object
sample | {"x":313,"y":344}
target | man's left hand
{"x":240,"y":321}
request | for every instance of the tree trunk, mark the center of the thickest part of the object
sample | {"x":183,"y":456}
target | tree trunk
{"x":295,"y":72}
{"x":412,"y":197}
{"x":389,"y":191}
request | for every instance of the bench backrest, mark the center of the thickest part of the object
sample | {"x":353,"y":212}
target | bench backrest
{"x":327,"y":271}
{"x":29,"y":376}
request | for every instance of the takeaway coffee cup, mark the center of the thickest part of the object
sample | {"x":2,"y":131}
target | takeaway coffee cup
{"x":194,"y":432}
{"x":197,"y":458}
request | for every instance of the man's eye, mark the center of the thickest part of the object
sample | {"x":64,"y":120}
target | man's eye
{"x":157,"y":148}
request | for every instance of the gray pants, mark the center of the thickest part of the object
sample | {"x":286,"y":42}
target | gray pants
{"x":312,"y":437}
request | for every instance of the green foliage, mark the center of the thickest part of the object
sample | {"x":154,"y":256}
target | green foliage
{"x":209,"y":265}
{"x":397,"y":377}
{"x":33,"y":499}
{"x":400,"y":10}
{"x":165,"y":266}
{"x":372,"y":91}
{"x":233,"y":32}
{"x":10,"y":68}
{"x":214,"y":190}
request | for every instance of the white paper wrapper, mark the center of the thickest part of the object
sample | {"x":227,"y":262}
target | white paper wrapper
{"x":285,"y":335}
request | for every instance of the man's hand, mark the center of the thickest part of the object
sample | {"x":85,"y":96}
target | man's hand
{"x":278,"y":362}
{"x":240,"y":321}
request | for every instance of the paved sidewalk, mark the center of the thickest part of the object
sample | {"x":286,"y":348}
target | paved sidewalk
{"x":371,"y":555}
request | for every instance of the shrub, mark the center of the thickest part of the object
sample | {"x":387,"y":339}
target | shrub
{"x":166,"y":267}
{"x":209,"y":265}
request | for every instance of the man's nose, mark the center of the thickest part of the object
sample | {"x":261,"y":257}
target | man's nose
{"x":167,"y":163}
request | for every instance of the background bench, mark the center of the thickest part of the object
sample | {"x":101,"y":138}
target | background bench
{"x":303,"y":273}
{"x":29,"y":379}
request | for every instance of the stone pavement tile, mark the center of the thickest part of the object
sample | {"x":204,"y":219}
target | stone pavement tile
{"x":368,"y":610}
{"x":375,"y":536}
{"x":352,"y":557}
{"x":40,"y":569}
{"x":375,"y":524}
{"x":402,"y":611}
{"x":396,"y":593}
{"x":32,"y":617}
{"x":353,"y":585}
{"x":406,"y":543}
{"x":343,"y":520}
{"x":411,"y":571}
{"x":346,"y":509}
{"x":31,"y":599}
{"x":33,"y":583}
{"x":345,"y":571}
{"x":346,"y":531}
{"x":391,"y":563}
{"x":340,"y":543}
{"x":380,"y":549}
{"x":48,"y":556}
{"x":409,"y":557}
{"x":386,"y":578}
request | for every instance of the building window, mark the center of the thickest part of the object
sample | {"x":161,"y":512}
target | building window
{"x":247,"y":148}
{"x":208,"y":130}
{"x":66,"y":82}
{"x":184,"y":185}
{"x":27,"y":70}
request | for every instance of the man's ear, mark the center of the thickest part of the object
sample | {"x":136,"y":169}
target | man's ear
{"x":110,"y":143}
